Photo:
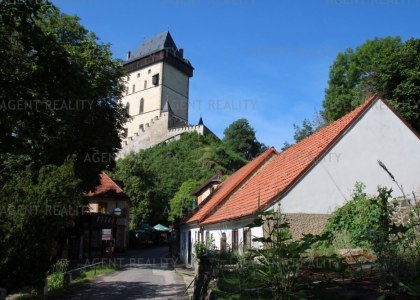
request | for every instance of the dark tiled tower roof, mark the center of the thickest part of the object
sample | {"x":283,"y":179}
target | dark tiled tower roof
{"x":155,"y":44}
{"x":159,"y":48}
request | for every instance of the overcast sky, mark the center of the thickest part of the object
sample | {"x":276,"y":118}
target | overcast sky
{"x":264,"y":60}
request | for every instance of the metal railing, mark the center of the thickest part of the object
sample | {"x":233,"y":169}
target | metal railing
{"x":68,"y":275}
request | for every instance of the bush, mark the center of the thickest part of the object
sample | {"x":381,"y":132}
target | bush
{"x":280,"y":259}
{"x":360,"y":218}
{"x":56,"y":279}
{"x":369,"y":221}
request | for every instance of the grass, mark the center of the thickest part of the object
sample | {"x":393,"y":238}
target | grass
{"x":83,"y":278}
{"x":89,"y":275}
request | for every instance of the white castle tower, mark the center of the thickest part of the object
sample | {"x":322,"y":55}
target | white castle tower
{"x":157,"y":94}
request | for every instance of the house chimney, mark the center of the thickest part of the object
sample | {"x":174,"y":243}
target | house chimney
{"x":181,"y":53}
{"x":128,"y":55}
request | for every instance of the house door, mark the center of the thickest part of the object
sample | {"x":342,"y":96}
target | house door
{"x":189,"y":247}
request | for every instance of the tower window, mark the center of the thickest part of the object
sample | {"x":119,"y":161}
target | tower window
{"x":149,"y":71}
{"x":134,"y":88}
{"x":155,"y":79}
{"x":145,"y":84}
{"x":141,"y":105}
{"x":138,"y":75}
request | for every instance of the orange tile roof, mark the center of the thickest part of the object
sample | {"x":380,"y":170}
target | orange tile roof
{"x":107,"y":189}
{"x":228,"y":186}
{"x":282,"y":172}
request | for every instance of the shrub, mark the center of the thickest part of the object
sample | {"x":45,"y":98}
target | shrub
{"x":369,"y":221}
{"x":360,"y":218}
{"x":280,"y":259}
{"x":56,"y":279}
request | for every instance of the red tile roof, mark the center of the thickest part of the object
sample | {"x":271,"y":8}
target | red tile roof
{"x":276,"y":177}
{"x":107,"y":189}
{"x":227,"y":187}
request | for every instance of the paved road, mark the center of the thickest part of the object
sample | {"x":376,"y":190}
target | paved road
{"x":147,"y":274}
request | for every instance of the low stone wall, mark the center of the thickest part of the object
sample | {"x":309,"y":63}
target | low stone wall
{"x":301,"y":224}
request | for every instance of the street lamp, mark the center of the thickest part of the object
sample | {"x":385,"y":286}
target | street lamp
{"x":117,"y":211}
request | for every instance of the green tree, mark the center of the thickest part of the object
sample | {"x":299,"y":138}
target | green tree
{"x":59,"y":88}
{"x":153,"y":176}
{"x":59,"y":126}
{"x":33,"y":211}
{"x":302,"y":132}
{"x":142,"y":186}
{"x":183,"y":202}
{"x":386,"y":66}
{"x":240,"y":137}
{"x":306,"y":130}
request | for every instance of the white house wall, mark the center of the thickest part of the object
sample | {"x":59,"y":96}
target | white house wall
{"x":216,"y":232}
{"x":379,"y":135}
{"x":183,"y":249}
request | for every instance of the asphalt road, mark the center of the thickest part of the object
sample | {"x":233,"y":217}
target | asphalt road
{"x":146,"y":274}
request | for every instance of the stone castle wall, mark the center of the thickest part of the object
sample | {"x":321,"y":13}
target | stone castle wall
{"x":155,"y":132}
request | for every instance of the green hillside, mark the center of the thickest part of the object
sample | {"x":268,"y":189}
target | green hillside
{"x":153,"y":176}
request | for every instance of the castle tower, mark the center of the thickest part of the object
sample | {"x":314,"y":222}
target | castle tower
{"x":158,"y":79}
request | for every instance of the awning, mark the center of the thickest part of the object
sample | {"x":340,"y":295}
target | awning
{"x":160,"y":227}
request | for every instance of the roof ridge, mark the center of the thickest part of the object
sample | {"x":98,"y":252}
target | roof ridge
{"x":362,"y":107}
{"x":258,"y":160}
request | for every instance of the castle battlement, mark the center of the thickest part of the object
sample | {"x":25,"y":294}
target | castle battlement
{"x":157,"y":132}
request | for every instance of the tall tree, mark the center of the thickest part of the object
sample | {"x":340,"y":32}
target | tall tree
{"x":59,"y":126}
{"x":301,"y":132}
{"x":240,"y":137}
{"x":386,"y":66}
{"x":59,"y":88}
{"x":143,"y":186}
{"x":34,"y":209}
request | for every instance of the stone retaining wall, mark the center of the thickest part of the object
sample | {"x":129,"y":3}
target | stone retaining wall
{"x":306,"y":223}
